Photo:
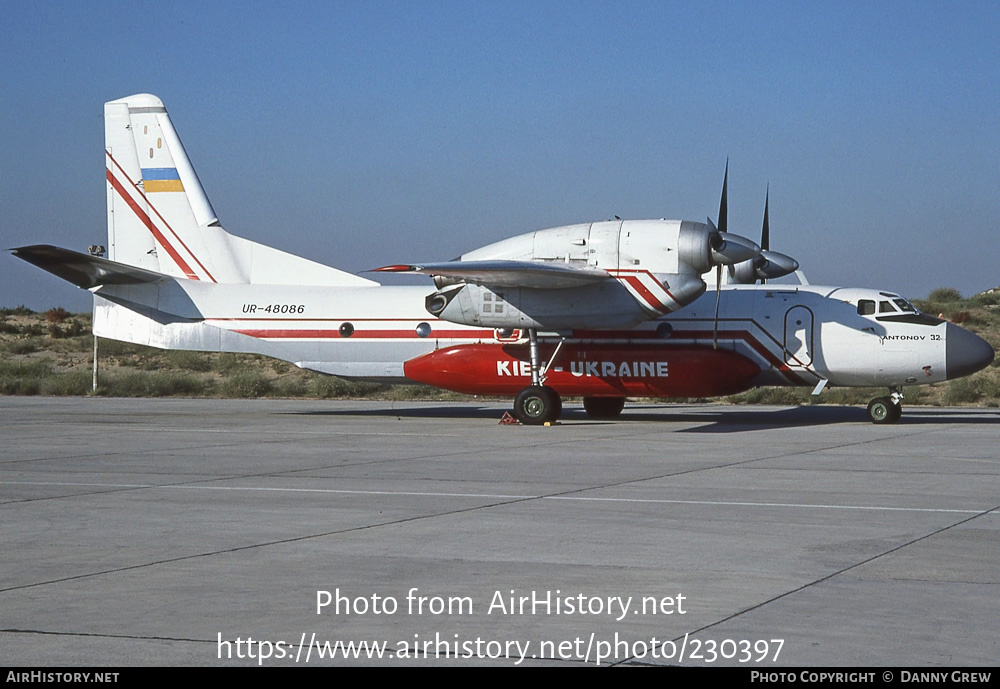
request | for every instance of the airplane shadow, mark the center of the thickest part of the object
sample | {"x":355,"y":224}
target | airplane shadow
{"x":731,"y":420}
{"x":411,"y":410}
{"x":711,"y":418}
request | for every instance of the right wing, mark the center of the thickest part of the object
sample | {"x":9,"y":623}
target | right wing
{"x":499,"y":273}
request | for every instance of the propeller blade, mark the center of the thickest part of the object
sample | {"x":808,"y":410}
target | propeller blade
{"x":718,"y":295}
{"x":724,"y":204}
{"x":765,"y":233}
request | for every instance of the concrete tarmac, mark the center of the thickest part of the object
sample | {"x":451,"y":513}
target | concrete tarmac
{"x":174,"y":532}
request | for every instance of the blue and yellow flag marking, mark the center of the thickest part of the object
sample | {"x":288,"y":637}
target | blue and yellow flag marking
{"x":161,"y":179}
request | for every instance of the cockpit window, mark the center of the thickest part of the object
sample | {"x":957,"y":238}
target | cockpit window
{"x":904,"y":306}
{"x":885,"y":307}
{"x":866,"y":307}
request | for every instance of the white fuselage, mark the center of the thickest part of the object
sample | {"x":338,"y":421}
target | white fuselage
{"x":796,"y":335}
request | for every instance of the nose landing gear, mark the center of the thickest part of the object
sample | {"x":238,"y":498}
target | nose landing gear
{"x":886,"y":409}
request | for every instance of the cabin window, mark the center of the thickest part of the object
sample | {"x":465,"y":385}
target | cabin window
{"x":866,"y":307}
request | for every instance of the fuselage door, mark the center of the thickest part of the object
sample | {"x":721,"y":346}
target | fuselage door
{"x":798,"y":336}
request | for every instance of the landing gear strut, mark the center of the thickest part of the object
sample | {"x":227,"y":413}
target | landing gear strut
{"x":538,"y":403}
{"x":886,"y":409}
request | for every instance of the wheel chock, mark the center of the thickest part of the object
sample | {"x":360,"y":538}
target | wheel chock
{"x":508,"y":420}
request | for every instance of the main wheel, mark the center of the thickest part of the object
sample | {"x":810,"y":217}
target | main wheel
{"x":537,"y":404}
{"x":884,"y":410}
{"x":603,"y":407}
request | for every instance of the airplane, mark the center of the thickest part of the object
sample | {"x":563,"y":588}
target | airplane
{"x":602,"y":310}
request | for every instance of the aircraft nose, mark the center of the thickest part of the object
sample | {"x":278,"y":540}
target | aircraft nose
{"x":965,"y":352}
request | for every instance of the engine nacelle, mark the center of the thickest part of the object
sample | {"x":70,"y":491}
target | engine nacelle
{"x":665,"y":247}
{"x":655,"y":267}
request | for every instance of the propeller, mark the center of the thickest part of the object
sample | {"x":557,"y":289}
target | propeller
{"x":728,"y":248}
{"x":771,"y":264}
{"x":767,"y":264}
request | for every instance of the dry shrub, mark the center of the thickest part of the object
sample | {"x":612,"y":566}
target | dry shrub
{"x":57,"y":315}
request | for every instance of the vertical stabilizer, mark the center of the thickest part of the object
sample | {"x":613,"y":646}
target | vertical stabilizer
{"x":159,"y":217}
{"x":156,"y":205}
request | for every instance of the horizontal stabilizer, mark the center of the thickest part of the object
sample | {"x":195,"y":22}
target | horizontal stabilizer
{"x":508,"y":273}
{"x":84,"y":270}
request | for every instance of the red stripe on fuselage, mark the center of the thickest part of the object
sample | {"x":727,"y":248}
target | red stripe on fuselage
{"x":383,"y":334}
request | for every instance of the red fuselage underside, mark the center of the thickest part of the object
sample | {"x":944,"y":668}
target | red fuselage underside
{"x":592,"y":370}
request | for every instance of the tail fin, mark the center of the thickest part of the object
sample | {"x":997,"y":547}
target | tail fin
{"x":160,"y":219}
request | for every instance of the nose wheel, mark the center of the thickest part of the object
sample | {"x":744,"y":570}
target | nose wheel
{"x":886,"y":409}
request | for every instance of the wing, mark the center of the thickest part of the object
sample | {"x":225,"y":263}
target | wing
{"x":508,"y":273}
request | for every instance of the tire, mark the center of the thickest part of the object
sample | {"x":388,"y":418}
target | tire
{"x":557,"y":407}
{"x":536,"y":404}
{"x":603,"y":407}
{"x":883,"y":410}
{"x":897,"y":411}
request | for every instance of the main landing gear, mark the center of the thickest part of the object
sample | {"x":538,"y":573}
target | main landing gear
{"x":538,"y":404}
{"x":886,"y":409}
{"x":603,"y":407}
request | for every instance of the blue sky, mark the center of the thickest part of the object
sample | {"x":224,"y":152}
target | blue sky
{"x":366,"y":133}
